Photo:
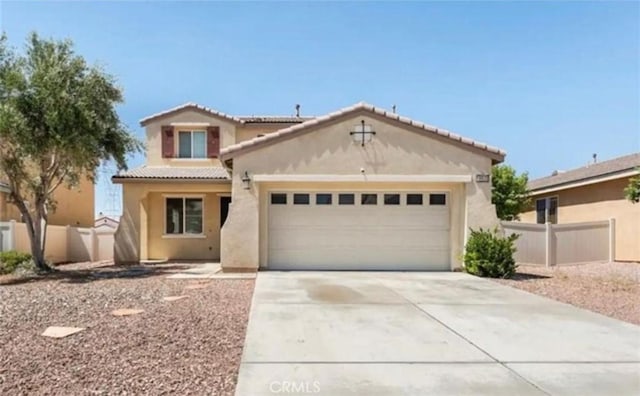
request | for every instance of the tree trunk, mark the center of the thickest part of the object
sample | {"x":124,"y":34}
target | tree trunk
{"x":34,"y":230}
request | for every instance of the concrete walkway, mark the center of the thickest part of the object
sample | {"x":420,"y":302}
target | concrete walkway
{"x":331,"y":333}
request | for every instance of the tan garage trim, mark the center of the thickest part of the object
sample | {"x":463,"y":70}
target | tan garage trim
{"x":365,"y":178}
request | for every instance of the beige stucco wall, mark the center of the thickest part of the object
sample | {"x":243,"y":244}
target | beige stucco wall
{"x":600,"y":201}
{"x":140,"y":234}
{"x":75,"y":206}
{"x":331,"y":151}
{"x":250,"y":131}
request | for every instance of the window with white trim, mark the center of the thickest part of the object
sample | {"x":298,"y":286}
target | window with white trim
{"x":547,"y":210}
{"x":192,"y":144}
{"x":184,"y":216}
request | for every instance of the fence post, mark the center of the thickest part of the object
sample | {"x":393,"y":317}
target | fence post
{"x":548,"y":245}
{"x":612,"y":240}
{"x":94,"y":245}
{"x":12,"y":235}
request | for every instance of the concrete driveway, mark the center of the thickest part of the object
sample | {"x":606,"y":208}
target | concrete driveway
{"x":372,"y":333}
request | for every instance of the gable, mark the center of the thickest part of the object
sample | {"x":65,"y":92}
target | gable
{"x":365,"y":110}
{"x":395,"y":149}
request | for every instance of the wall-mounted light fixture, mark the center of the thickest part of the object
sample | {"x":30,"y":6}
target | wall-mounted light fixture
{"x":246,"y":181}
{"x":483,"y":178}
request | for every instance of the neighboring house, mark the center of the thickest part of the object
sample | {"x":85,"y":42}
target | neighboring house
{"x":106,"y":222}
{"x":358,"y":189}
{"x":591,"y":193}
{"x":74,"y":206}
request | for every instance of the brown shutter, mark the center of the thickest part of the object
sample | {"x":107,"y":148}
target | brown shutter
{"x":168,"y":147}
{"x":213,"y":141}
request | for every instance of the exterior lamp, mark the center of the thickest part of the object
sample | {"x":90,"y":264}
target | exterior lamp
{"x":246,"y":181}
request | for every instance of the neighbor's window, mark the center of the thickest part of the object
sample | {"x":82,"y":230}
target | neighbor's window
{"x":369,"y":199}
{"x":183,"y":216}
{"x":414,"y":199}
{"x":192,"y":144}
{"x":323,"y":199}
{"x":346,"y":199}
{"x":547,"y":210}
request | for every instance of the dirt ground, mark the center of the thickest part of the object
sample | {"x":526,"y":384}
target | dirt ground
{"x":189,"y":346}
{"x":612,"y":289}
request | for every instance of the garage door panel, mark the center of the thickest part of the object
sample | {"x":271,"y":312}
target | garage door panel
{"x":358,"y":237}
{"x":338,"y":259}
{"x":299,"y":238}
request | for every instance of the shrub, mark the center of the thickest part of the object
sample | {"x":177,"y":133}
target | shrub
{"x":489,"y":254}
{"x":12,"y":260}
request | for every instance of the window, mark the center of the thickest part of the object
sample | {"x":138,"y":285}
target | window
{"x":278,"y":199}
{"x":346,"y":199}
{"x":547,"y":210}
{"x":301,"y":199}
{"x":183,"y":216}
{"x":369,"y":199}
{"x":192,"y":144}
{"x":437,"y":199}
{"x":392,"y":199}
{"x":323,"y":199}
{"x":414,"y":199}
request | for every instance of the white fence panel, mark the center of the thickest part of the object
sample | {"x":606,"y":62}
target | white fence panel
{"x":551,"y":244}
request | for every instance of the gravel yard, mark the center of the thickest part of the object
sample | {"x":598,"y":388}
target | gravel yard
{"x":612,"y":289}
{"x":189,"y":346}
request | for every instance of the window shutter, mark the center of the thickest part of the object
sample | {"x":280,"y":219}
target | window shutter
{"x":213,"y":141}
{"x":168,"y":147}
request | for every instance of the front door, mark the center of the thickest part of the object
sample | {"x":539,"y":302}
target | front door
{"x":224,"y":209}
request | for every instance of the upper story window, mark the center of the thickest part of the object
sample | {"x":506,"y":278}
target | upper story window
{"x":547,"y":210}
{"x":195,"y":143}
{"x":192,"y":144}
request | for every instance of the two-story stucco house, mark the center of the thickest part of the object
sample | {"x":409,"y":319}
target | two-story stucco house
{"x":358,"y":189}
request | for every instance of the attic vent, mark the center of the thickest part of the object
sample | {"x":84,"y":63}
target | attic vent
{"x":556,"y":172}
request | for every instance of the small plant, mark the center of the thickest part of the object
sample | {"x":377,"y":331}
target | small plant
{"x":489,"y":254}
{"x":11,"y":261}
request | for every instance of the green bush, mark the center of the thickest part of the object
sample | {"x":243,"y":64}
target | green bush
{"x":489,"y":254}
{"x":12,"y":260}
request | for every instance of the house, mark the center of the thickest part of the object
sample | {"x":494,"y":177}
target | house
{"x":105,"y":222}
{"x":591,"y":193}
{"x":74,"y":206}
{"x":361,"y":188}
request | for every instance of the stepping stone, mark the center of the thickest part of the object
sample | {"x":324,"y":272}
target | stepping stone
{"x":61,"y":332}
{"x":174,"y":298}
{"x":126,"y":312}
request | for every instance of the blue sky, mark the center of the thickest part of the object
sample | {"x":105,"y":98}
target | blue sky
{"x":550,"y":83}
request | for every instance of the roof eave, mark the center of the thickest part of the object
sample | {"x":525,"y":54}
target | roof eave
{"x":128,"y":179}
{"x":584,"y":181}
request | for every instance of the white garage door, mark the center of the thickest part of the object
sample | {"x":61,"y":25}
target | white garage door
{"x":358,"y":230}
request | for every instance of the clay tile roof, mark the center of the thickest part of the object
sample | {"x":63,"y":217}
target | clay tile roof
{"x":174,"y":172}
{"x":230,"y":151}
{"x":191,"y":106}
{"x":271,"y":119}
{"x":604,"y":168}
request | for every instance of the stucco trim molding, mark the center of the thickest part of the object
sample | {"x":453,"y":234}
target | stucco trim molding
{"x":364,"y":178}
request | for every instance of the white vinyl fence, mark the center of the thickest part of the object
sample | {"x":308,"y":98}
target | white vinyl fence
{"x":553,"y":244}
{"x":64,"y":243}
